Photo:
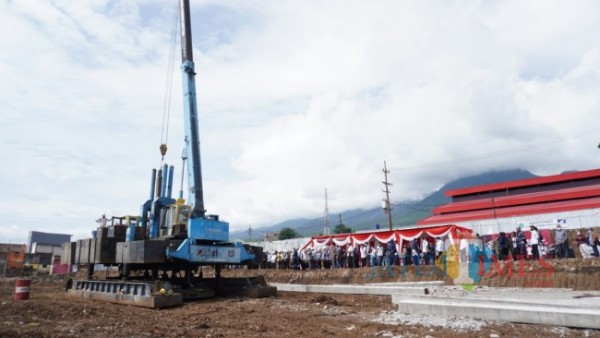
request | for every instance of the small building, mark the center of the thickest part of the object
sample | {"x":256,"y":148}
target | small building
{"x":271,"y":236}
{"x":38,"y":263}
{"x":45,"y":242}
{"x":44,"y":250}
{"x":12,"y":259}
{"x":571,"y":199}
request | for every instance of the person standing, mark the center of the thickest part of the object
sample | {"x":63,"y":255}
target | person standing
{"x":561,"y":242}
{"x":373,"y":255}
{"x":464,"y":250}
{"x":333,"y":257}
{"x":511,"y":246}
{"x":439,"y":247}
{"x":425,"y":251}
{"x":364,"y":253}
{"x":102,"y":221}
{"x":350,"y":257}
{"x":415,"y":251}
{"x":514,"y":251}
{"x":278,"y":259}
{"x":479,"y":242}
{"x":591,"y":241}
{"x":342,"y":258}
{"x":392,"y":253}
{"x":379,"y":251}
{"x":296,"y":260}
{"x":504,"y":245}
{"x":521,"y":244}
{"x":271,"y":260}
{"x":584,"y":248}
{"x":535,"y":241}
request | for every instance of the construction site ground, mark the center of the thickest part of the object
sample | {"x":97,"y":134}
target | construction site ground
{"x":50,"y":313}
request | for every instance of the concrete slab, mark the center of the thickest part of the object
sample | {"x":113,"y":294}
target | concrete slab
{"x":356,"y":289}
{"x":425,"y":283}
{"x":562,"y":312}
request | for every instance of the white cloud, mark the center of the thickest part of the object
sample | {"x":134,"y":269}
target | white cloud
{"x":294,"y":97}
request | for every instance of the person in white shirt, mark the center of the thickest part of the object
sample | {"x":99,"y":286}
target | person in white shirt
{"x":379,"y":255}
{"x":102,"y":221}
{"x":373,"y":255}
{"x":350,"y":257}
{"x":584,"y":248}
{"x":271,"y":260}
{"x":363,"y":255}
{"x":425,"y":250}
{"x":464,"y":250}
{"x":439,"y":247}
{"x":534,"y":242}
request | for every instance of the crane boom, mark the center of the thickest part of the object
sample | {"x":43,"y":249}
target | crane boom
{"x":192,"y":139}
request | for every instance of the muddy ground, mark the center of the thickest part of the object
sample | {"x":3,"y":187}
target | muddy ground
{"x":49,"y":313}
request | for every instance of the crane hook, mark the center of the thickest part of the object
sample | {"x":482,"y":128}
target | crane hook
{"x":163,"y":150}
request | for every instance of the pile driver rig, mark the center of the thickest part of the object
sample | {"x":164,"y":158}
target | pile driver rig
{"x":159,"y":253}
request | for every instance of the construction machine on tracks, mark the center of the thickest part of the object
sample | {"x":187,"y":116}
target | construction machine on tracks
{"x":160,"y":253}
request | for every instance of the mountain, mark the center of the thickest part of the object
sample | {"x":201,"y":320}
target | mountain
{"x":404,"y":213}
{"x":438,"y":197}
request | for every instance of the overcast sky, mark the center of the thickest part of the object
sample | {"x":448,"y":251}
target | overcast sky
{"x":294,"y":97}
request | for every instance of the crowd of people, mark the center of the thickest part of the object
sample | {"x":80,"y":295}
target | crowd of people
{"x":419,"y":251}
{"x":425,"y":250}
{"x":516,"y":245}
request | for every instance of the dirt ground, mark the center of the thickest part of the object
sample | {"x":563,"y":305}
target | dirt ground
{"x":576,"y":274}
{"x":49,"y":313}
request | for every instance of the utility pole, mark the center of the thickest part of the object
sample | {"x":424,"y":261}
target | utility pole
{"x":326,"y":219}
{"x":249,"y":231}
{"x":387,"y":206}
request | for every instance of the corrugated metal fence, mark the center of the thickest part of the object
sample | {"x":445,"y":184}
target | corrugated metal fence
{"x":568,"y":220}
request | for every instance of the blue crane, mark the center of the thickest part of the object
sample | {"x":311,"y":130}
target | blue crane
{"x":170,"y":240}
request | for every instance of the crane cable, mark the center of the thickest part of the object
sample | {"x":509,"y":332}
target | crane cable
{"x":164,"y":135}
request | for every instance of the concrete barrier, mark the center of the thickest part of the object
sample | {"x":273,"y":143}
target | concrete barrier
{"x":355,"y":289}
{"x":529,"y":311}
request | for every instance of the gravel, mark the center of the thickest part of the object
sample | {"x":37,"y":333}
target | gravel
{"x":454,"y":323}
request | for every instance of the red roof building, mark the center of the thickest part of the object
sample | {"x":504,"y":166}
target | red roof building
{"x":572,"y":199}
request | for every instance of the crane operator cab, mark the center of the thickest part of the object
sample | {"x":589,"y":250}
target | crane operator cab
{"x":174,"y":219}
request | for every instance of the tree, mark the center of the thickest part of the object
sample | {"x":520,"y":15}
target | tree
{"x":341,"y":229}
{"x":288,"y":233}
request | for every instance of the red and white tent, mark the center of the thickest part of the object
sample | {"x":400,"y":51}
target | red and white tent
{"x":454,"y":232}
